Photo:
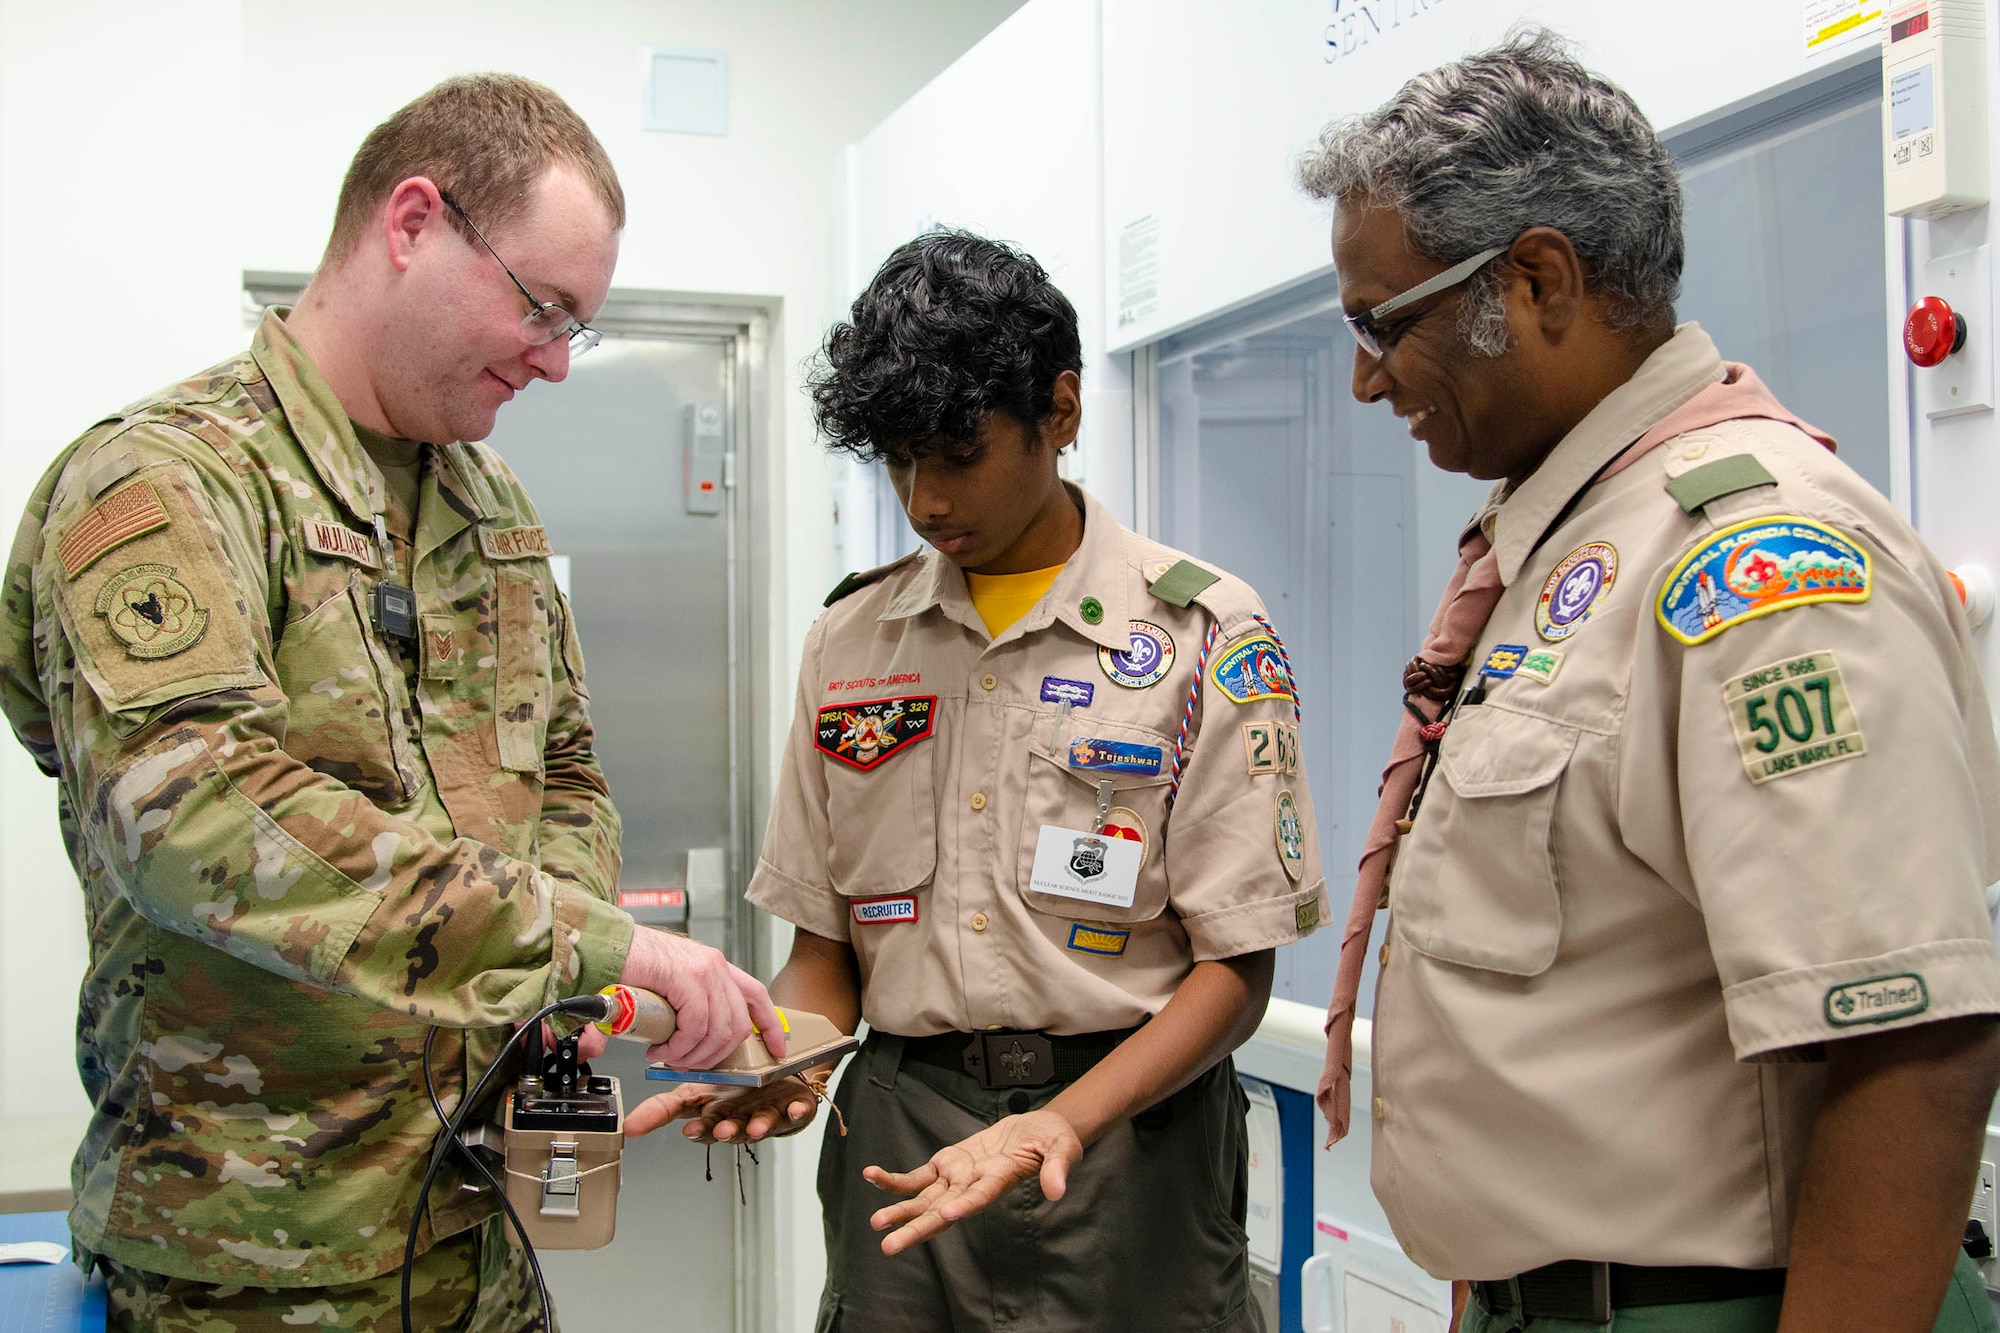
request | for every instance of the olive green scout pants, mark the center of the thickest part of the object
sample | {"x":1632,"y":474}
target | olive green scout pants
{"x":1966,"y":1310}
{"x":1149,"y":1235}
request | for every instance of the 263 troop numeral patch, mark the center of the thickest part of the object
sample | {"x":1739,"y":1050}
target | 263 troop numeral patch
{"x":1791,"y":716}
{"x":1271,"y":746}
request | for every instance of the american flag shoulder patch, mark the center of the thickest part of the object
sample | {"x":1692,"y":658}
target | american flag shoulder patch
{"x":109,"y":524}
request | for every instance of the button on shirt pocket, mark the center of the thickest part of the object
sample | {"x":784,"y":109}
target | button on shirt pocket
{"x":1477,"y":882}
{"x":1061,"y":793}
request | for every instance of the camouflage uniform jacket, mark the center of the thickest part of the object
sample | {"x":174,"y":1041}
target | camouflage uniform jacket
{"x":292,"y":867}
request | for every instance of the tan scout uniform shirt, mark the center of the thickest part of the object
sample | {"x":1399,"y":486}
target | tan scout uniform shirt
{"x":300,"y":842}
{"x":1650,"y":877}
{"x":919,"y":851}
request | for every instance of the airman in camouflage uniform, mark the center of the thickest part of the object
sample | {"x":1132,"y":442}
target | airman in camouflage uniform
{"x":304,"y":840}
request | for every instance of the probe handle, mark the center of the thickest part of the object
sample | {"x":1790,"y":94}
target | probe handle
{"x":636,"y":1015}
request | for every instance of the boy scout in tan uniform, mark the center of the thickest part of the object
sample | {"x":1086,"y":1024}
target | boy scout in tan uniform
{"x":1026,"y":842}
{"x":326,"y":773}
{"x":1684,"y":1020}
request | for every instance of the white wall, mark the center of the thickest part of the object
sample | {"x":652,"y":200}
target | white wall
{"x":1208,"y":106}
{"x":152,"y":150}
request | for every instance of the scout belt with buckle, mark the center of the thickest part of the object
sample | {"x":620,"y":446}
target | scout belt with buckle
{"x":1010,"y":1059}
{"x":1591,"y":1291}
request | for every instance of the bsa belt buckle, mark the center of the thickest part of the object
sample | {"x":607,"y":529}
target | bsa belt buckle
{"x":1010,"y":1059}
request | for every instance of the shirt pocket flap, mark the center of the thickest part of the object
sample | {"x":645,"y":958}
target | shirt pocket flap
{"x":1495,"y":752}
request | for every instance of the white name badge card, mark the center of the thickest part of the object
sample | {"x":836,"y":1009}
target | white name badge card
{"x":1094,"y":867}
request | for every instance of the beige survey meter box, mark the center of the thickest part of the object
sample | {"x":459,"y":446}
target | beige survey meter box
{"x":563,"y":1148}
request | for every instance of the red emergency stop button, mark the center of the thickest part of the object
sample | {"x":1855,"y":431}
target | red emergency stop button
{"x":1932,"y":331}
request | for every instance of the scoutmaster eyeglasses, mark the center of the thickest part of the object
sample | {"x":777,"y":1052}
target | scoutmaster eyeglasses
{"x":545,"y":321}
{"x":1363,"y":325}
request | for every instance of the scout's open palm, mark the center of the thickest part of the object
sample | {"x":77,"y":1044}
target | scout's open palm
{"x":722,"y":1114}
{"x":968,"y":1177}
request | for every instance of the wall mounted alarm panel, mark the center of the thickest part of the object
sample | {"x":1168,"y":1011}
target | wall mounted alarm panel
{"x":1934,"y":107}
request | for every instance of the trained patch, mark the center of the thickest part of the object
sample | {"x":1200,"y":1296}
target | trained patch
{"x":1305,"y":916}
{"x":1751,"y":569}
{"x":1580,"y":580}
{"x":514,"y":543}
{"x":1791,"y":716}
{"x":1149,"y":657}
{"x":1503,"y":661}
{"x":1541,"y":665}
{"x":1097,"y":940}
{"x":325,"y":537}
{"x":1291,"y":832}
{"x":1252,"y":670}
{"x":1877,"y":1000}
{"x":1076,"y":693}
{"x":883,"y":911}
{"x":864,"y":734}
{"x":1271,"y":746}
{"x":109,"y":524}
{"x":1115,"y":756}
{"x":151,"y":612}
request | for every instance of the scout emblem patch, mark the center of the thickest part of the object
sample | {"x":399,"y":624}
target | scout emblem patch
{"x":133,"y":512}
{"x":1291,"y":832}
{"x":1503,"y":661}
{"x":882,"y":911}
{"x":1104,"y":756}
{"x":151,"y":612}
{"x":1098,"y":940}
{"x":1077,"y":693}
{"x":1541,"y":665}
{"x":1751,"y":569}
{"x":1151,"y":653}
{"x":1271,"y":746}
{"x":1791,"y":716}
{"x":1252,"y":670}
{"x":864,"y":734}
{"x":1877,"y":1000}
{"x":1578,"y":583}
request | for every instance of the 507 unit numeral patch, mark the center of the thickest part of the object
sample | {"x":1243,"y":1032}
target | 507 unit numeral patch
{"x":1791,"y":716}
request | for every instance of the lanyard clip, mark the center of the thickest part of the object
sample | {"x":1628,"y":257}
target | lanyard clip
{"x":1103,"y":802}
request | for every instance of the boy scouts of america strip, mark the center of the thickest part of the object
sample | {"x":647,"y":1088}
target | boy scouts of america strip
{"x":514,"y":543}
{"x":133,"y":512}
{"x":323,"y":536}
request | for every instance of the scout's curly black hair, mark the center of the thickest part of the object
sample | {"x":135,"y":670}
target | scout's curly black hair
{"x":953,"y":326}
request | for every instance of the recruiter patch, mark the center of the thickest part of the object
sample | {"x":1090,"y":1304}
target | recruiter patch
{"x":1877,"y":1000}
{"x":1291,"y":831}
{"x":151,"y":612}
{"x":1580,"y":580}
{"x":1097,"y":940}
{"x":109,"y":524}
{"x":1104,"y":756}
{"x":883,"y":911}
{"x":1791,"y":716}
{"x":1252,"y":670}
{"x":1754,"y":568}
{"x":864,"y":734}
{"x":1145,"y":662}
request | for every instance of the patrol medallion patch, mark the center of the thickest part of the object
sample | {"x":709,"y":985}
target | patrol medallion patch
{"x":864,"y":734}
{"x":1503,"y":661}
{"x":1754,"y":568}
{"x":151,"y":612}
{"x":110,"y":523}
{"x":1581,"y":580}
{"x":883,"y":911}
{"x":1291,"y":831}
{"x":1252,"y":670}
{"x":1104,"y":756}
{"x":1791,"y":716}
{"x":1541,"y":665}
{"x":1271,"y":746}
{"x":1098,"y":940}
{"x":1123,"y":822}
{"x":1149,"y":657}
{"x":1877,"y":1000}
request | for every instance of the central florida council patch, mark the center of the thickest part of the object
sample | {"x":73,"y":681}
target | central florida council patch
{"x":1253,"y":669}
{"x":1754,"y":568}
{"x":864,"y":734}
{"x":1581,"y":580}
{"x":1149,"y":657}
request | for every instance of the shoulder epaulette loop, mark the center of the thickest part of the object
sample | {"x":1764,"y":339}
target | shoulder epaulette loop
{"x":1180,"y":583}
{"x":1712,"y":481}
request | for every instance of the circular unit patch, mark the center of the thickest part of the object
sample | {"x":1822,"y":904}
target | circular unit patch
{"x":1291,"y":831}
{"x":1149,"y":657}
{"x":1124,"y":822}
{"x":151,"y":612}
{"x":1576,"y":585}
